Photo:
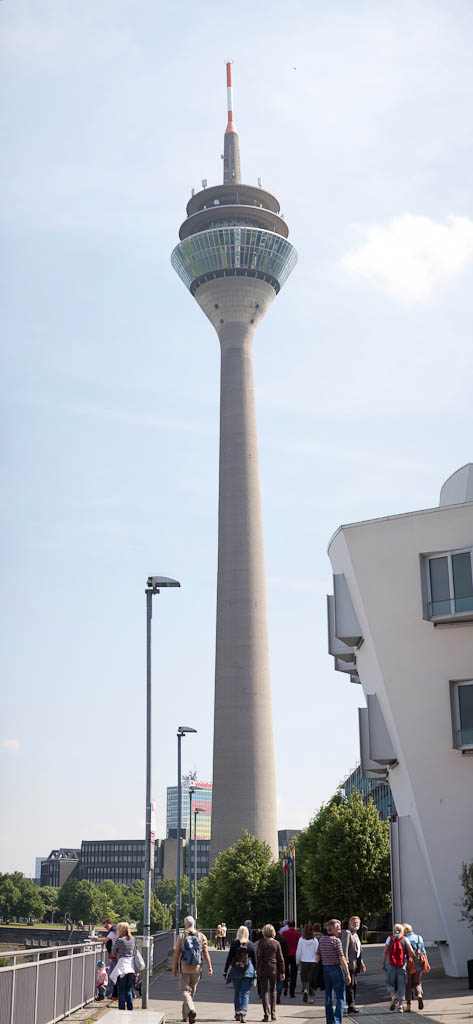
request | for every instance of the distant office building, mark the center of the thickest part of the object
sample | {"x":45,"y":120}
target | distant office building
{"x":121,"y":860}
{"x":284,"y":837}
{"x":59,"y":866}
{"x":203,"y":858}
{"x":37,"y":869}
{"x":201,"y":799}
{"x":378,"y":790}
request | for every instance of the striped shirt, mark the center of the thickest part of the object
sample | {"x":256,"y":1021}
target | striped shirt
{"x":330,"y":950}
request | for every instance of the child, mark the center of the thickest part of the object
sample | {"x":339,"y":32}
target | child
{"x":102,"y":980}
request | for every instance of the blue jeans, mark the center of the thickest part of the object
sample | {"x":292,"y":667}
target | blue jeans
{"x":125,"y":991}
{"x":241,"y":989}
{"x":396,"y":978}
{"x":334,"y":979}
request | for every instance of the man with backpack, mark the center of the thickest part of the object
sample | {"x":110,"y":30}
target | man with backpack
{"x":190,"y":952}
{"x":396,"y":952}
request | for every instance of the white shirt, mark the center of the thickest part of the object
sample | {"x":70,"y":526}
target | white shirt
{"x":356,"y":939}
{"x":306,"y":950}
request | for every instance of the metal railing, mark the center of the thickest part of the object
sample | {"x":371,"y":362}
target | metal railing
{"x":42,"y":986}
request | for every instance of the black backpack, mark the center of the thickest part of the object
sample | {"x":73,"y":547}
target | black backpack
{"x":241,"y":959}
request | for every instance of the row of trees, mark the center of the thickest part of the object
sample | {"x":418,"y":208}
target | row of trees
{"x":81,"y":901}
{"x":342,"y":867}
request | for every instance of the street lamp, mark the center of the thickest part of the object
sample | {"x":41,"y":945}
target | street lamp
{"x":153,"y":586}
{"x":180,"y":733}
{"x":191,"y":794}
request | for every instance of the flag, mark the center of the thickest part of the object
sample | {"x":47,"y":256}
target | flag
{"x":284,"y":863}
{"x":292,"y":856}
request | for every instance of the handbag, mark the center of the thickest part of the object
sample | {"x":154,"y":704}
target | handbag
{"x":317,"y":976}
{"x":138,"y":961}
{"x":425,"y":966}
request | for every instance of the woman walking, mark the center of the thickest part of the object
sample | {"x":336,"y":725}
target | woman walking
{"x":269,"y":961}
{"x":397,"y":951}
{"x":241,"y":960}
{"x":415,"y":966}
{"x":305,"y":956}
{"x":124,"y":971}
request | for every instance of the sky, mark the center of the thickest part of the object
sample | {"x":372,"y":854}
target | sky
{"x":357,"y":115}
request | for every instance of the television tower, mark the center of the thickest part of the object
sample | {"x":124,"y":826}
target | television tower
{"x":234,"y":257}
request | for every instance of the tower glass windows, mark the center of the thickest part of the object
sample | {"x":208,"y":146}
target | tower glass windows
{"x":234,"y":248}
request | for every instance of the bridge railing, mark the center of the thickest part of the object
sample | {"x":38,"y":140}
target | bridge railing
{"x":42,"y":986}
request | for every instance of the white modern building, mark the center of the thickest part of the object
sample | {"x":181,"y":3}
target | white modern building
{"x":401,"y":624}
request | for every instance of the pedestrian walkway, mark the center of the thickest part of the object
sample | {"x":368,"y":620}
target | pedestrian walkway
{"x":447,"y":1000}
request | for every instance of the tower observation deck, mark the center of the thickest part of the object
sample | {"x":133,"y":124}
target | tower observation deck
{"x":234,"y":257}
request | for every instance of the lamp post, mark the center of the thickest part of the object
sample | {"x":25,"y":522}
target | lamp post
{"x":180,"y":733}
{"x":195,"y":863}
{"x":191,"y":794}
{"x":154,"y":585}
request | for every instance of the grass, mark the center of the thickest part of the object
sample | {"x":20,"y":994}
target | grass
{"x":22,"y":924}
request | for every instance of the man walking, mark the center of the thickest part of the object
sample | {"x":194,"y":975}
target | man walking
{"x":190,"y":952}
{"x":351,"y":946}
{"x":292,"y":936}
{"x":335,"y":969}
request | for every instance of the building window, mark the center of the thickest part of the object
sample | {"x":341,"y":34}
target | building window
{"x":462,"y":714}
{"x":449,"y":580}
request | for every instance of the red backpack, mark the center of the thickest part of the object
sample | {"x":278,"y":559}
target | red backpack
{"x":396,"y":951}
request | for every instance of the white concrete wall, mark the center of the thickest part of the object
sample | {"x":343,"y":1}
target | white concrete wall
{"x":409,"y":663}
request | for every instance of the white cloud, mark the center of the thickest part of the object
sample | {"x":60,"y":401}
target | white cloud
{"x":13,"y":745}
{"x":411,"y":256}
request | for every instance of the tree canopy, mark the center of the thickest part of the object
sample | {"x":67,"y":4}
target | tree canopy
{"x":19,"y":897}
{"x":343,"y":861}
{"x":244,"y":883}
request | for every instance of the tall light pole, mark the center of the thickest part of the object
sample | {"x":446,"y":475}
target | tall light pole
{"x":154,"y":585}
{"x":191,"y":794}
{"x":180,"y":733}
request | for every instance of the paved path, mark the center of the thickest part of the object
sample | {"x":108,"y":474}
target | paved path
{"x":447,"y":1000}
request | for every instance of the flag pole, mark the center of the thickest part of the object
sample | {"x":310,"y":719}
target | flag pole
{"x":295,"y":884}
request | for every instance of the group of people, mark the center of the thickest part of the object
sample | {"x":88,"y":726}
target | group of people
{"x":221,"y":936}
{"x":404,"y":962}
{"x":271,"y":958}
{"x":116,"y":979}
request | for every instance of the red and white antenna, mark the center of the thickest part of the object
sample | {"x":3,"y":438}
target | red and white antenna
{"x":230,"y":124}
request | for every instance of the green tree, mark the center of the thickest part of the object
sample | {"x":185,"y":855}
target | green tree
{"x":10,"y":896}
{"x":19,"y":897}
{"x":160,"y":918}
{"x":165,"y":889}
{"x":113,"y":901}
{"x":31,"y":905}
{"x":342,"y":861}
{"x":49,"y":895}
{"x":135,"y":895}
{"x":81,"y":900}
{"x":66,"y":896}
{"x":244,"y":883}
{"x":466,"y":878}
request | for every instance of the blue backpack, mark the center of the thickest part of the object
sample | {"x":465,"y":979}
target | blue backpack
{"x":192,"y":951}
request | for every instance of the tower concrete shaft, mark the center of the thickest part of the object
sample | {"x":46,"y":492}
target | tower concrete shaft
{"x":244,"y":787}
{"x":234,"y":257}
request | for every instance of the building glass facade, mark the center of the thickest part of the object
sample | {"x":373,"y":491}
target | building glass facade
{"x":122,"y":861}
{"x":202,"y":799}
{"x":380,"y":792}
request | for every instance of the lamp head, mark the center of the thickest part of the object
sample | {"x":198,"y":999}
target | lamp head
{"x":185,"y":728}
{"x":156,"y":582}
